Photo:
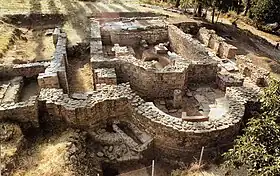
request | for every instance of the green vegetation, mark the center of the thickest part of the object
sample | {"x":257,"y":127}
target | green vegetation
{"x":261,"y":12}
{"x":258,"y":149}
{"x":265,"y":10}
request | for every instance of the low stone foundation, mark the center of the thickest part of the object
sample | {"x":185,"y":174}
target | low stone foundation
{"x":26,"y":70}
{"x":217,"y":43}
{"x":258,"y":75}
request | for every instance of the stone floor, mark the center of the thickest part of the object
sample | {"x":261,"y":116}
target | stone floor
{"x":202,"y":101}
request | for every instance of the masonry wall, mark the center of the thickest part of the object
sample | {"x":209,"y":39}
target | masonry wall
{"x":133,"y":38}
{"x":148,"y":82}
{"x":24,"y":112}
{"x":185,"y":45}
{"x":172,"y":136}
{"x":202,"y":72}
{"x":55,"y":75}
{"x":25,"y":70}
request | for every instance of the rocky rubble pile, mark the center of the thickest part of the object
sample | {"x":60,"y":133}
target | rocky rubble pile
{"x":76,"y":158}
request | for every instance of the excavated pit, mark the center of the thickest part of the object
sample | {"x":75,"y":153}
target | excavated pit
{"x":30,"y":88}
{"x":164,"y":111}
{"x":32,"y":41}
{"x":198,"y":101}
{"x":79,"y":69}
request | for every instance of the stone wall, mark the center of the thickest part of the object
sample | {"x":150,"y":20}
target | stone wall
{"x":55,"y":75}
{"x":170,"y":133}
{"x":105,"y":76}
{"x":185,"y":45}
{"x":25,"y":70}
{"x":101,"y":105}
{"x":201,"y":72}
{"x":228,"y":80}
{"x":24,"y":112}
{"x":258,"y":75}
{"x":152,"y":35}
{"x":133,"y":38}
{"x":217,"y":43}
{"x":149,"y":82}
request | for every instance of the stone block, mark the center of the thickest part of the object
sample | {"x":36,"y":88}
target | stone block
{"x":160,"y":49}
{"x":193,"y":118}
{"x":48,"y":80}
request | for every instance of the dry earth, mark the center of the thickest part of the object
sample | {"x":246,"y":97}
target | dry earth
{"x":33,"y":45}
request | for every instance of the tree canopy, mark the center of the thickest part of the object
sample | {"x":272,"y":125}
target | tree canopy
{"x":265,"y":10}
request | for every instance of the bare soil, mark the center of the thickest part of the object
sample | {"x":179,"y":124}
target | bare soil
{"x":80,"y":75}
{"x":43,"y":155}
{"x":29,"y":89}
{"x":6,"y":36}
{"x":32,"y":46}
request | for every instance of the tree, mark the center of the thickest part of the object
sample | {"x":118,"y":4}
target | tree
{"x":267,"y":11}
{"x":177,"y":3}
{"x":258,"y":149}
{"x":247,"y":4}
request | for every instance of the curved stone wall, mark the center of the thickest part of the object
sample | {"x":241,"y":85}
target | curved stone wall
{"x":170,"y":133}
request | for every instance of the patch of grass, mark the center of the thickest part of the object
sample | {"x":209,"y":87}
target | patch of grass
{"x":47,"y":157}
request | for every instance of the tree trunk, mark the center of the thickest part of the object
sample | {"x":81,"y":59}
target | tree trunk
{"x":199,"y":10}
{"x":177,"y":3}
{"x":238,"y":6}
{"x":213,"y":15}
{"x":247,"y":7}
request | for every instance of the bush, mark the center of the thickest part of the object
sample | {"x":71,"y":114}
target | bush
{"x":267,"y":11}
{"x":258,"y":149}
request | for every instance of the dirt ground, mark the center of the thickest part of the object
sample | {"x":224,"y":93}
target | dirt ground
{"x":80,"y":75}
{"x":6,"y":33}
{"x":45,"y":154}
{"x":30,"y":88}
{"x":31,"y":46}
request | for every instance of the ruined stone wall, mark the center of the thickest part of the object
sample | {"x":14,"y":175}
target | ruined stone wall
{"x":229,"y":80}
{"x":103,"y":104}
{"x":172,"y":135}
{"x":167,"y":130}
{"x":258,"y":75}
{"x":105,"y":76}
{"x":185,"y":45}
{"x":202,"y":72}
{"x":217,"y":43}
{"x":55,"y":75}
{"x":133,"y":37}
{"x":153,"y":83}
{"x":25,"y":112}
{"x":175,"y":137}
{"x":147,"y":81}
{"x":25,"y":70}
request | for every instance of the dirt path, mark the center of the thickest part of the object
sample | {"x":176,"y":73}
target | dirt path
{"x":80,"y":76}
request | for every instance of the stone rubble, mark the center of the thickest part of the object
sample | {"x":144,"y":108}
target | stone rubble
{"x":126,"y":85}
